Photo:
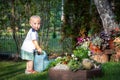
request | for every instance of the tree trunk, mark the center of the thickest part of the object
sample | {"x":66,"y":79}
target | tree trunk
{"x":106,"y":14}
{"x":14,"y":30}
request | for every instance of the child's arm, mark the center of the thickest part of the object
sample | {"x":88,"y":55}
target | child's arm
{"x":37,"y":46}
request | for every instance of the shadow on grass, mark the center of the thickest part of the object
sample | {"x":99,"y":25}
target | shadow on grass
{"x":10,"y":70}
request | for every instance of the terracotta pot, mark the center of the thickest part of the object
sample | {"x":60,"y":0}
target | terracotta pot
{"x":111,"y":44}
{"x":100,"y":58}
{"x":115,"y":58}
{"x":117,"y":52}
{"x":116,"y":40}
{"x":94,"y":49}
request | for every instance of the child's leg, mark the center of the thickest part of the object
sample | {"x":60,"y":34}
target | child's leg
{"x":29,"y":65}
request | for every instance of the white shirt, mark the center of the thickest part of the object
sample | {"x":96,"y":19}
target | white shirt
{"x":28,"y":44}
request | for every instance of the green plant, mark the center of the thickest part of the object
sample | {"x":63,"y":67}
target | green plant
{"x":74,"y":65}
{"x":81,"y":52}
{"x":97,"y":41}
{"x":53,"y":63}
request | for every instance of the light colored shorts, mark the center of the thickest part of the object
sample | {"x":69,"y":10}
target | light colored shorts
{"x":27,"y":55}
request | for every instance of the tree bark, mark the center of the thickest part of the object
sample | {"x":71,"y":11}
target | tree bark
{"x":13,"y":20}
{"x":106,"y":14}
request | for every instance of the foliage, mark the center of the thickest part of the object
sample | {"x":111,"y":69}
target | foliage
{"x":74,"y":65}
{"x":97,"y":41}
{"x":58,"y":60}
{"x":75,"y":13}
{"x":66,"y":45}
{"x":81,"y":53}
{"x":75,"y":19}
{"x":116,"y":9}
{"x":79,"y":59}
{"x":20,"y":11}
{"x":71,"y":61}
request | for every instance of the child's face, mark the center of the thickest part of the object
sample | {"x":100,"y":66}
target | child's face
{"x":35,"y":23}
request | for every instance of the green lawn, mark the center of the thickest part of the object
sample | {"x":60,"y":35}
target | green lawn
{"x":111,"y":71}
{"x":10,"y":70}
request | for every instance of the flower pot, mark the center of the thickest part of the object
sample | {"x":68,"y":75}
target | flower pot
{"x":117,"y":50}
{"x":111,"y":44}
{"x":94,"y":49}
{"x":100,"y":58}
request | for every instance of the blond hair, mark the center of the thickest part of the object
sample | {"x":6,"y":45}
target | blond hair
{"x":34,"y":17}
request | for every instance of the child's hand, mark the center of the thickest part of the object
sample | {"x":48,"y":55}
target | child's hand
{"x":39,"y":51}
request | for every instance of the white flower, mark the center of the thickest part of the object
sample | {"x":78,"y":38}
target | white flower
{"x":66,"y":53}
{"x":76,"y":59}
{"x":85,"y":44}
{"x":96,"y":66}
{"x":89,"y":53}
{"x":73,"y":55}
{"x":84,"y":40}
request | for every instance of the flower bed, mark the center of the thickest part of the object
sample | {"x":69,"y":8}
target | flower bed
{"x":75,"y":66}
{"x":57,"y":74}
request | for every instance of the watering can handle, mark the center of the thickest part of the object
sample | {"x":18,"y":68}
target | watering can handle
{"x":43,"y":52}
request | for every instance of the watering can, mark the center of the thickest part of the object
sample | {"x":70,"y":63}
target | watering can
{"x":41,"y":61}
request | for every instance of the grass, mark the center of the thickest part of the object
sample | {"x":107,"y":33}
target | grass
{"x":111,"y":71}
{"x":10,"y":70}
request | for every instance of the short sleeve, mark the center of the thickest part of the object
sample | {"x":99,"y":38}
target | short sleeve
{"x":34,"y":35}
